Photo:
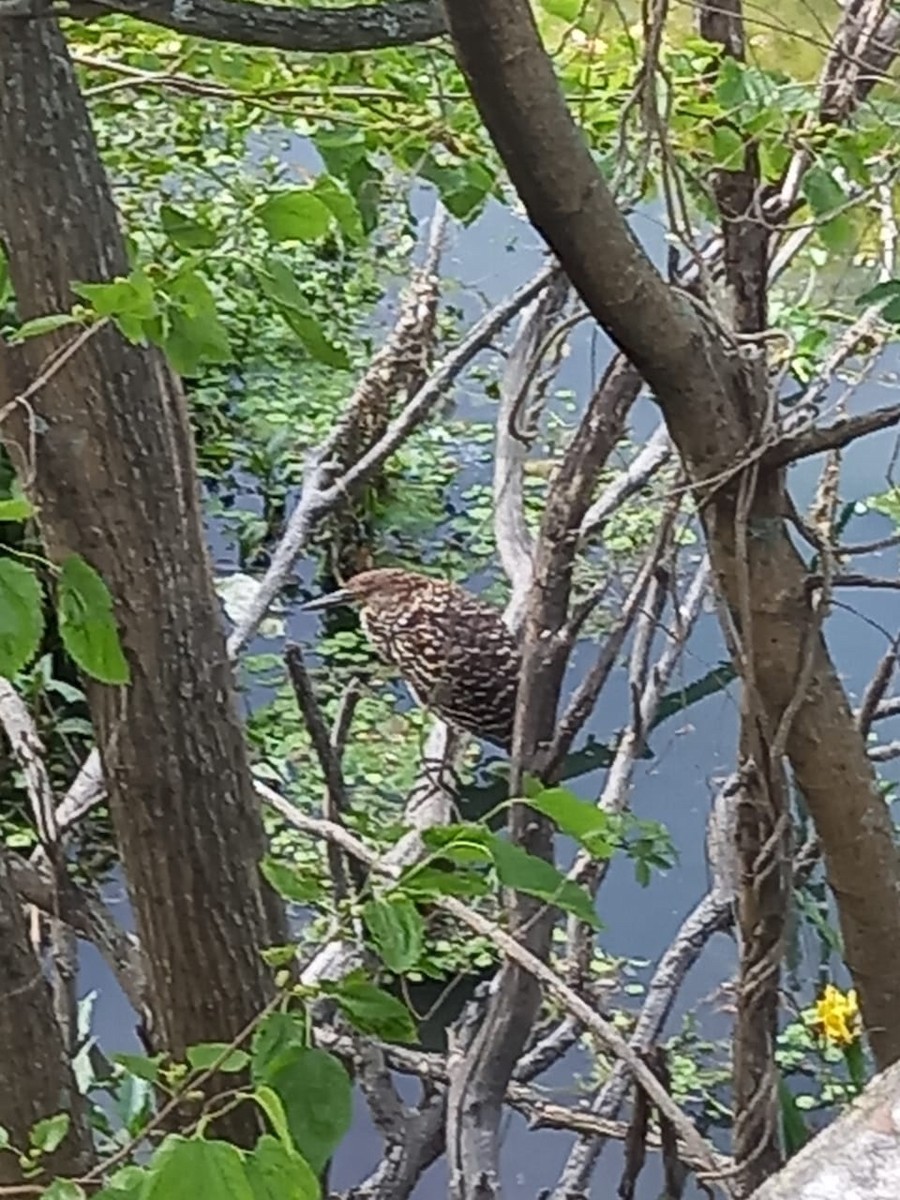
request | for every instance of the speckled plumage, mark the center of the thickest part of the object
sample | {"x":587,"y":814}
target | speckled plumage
{"x":453,"y":650}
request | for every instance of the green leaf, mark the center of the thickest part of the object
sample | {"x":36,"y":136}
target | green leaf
{"x":279,"y":284}
{"x":4,"y":1137}
{"x":193,"y":294}
{"x":590,"y":825}
{"x":567,"y":10}
{"x":524,"y":872}
{"x":140,"y":1065}
{"x":793,"y":1124}
{"x":822,"y":191}
{"x":41,"y":325}
{"x":21,"y":616}
{"x":296,"y":215}
{"x":126,"y":1184}
{"x":17,"y":508}
{"x":293,"y":883}
{"x":276,"y":1172}
{"x":839,"y":233}
{"x":184,"y":231}
{"x":342,"y":207}
{"x":63,"y":1189}
{"x":270,"y":1102}
{"x":129,"y":301}
{"x":888,"y":289}
{"x":433,"y":881}
{"x":317,"y":1095}
{"x":188,"y":1168}
{"x":195,"y":339}
{"x":86,"y":622}
{"x":314,"y":341}
{"x":47,"y":1135}
{"x":728,"y":147}
{"x":374,"y":1011}
{"x":203,"y":1055}
{"x":731,"y":90}
{"x":276,"y":1036}
{"x":397,"y":930}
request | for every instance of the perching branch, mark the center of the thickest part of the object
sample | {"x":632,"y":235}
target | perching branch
{"x":320,"y":493}
{"x":653,"y":455}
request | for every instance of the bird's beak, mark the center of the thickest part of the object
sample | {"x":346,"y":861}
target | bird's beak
{"x":329,"y":600}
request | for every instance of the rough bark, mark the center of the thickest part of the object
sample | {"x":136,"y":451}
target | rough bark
{"x":113,"y":477}
{"x":715,"y":414}
{"x":314,"y":29}
{"x":856,"y":1158}
{"x":36,"y":1075}
{"x":762,"y":811}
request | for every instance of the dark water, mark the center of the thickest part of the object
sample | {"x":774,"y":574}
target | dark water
{"x":690,"y":753}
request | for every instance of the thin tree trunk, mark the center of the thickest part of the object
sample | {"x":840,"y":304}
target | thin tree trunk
{"x":714,"y":412}
{"x":36,"y":1079}
{"x":113,"y":476}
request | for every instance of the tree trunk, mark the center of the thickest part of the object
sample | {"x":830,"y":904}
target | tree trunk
{"x":36,"y":1077}
{"x":114,"y":478}
{"x":714,"y":413}
{"x":857,"y":1157}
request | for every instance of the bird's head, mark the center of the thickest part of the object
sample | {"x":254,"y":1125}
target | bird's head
{"x":386,"y":585}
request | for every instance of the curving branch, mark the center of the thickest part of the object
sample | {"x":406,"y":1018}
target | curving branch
{"x":312,"y":29}
{"x":839,"y":433}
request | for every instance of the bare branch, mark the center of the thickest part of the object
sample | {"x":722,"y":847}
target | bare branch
{"x":832,"y":437}
{"x":863,"y":48}
{"x":885,"y":753}
{"x":856,"y":1155}
{"x":90,"y":918}
{"x":654,"y":454}
{"x":337,"y":802}
{"x":584,"y":698}
{"x":28,"y":752}
{"x":312,"y":29}
{"x":478,"y":1086}
{"x":712,"y":914}
{"x":517,"y":393}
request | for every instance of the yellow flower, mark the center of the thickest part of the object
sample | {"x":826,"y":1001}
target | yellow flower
{"x":837,"y":1016}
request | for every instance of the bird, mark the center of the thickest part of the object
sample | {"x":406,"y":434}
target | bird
{"x":452,"y":649}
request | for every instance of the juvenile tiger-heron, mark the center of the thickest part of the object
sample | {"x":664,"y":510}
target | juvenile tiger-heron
{"x":452,"y":649}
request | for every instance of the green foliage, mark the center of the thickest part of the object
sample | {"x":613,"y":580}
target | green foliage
{"x":86,"y":622}
{"x":468,"y":846}
{"x":601,"y":833}
{"x":63,"y":1189}
{"x":21,"y":616}
{"x":372,"y":1010}
{"x":316,"y":1094}
{"x":48,"y":1134}
{"x":191,"y":1167}
{"x":398,"y":931}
